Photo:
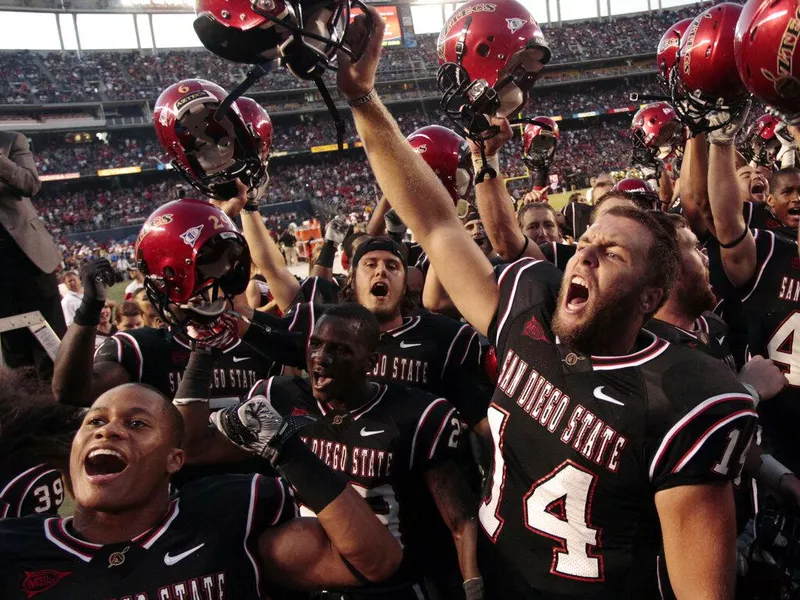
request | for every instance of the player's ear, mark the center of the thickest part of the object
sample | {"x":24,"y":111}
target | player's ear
{"x":649,"y":299}
{"x":175,"y":460}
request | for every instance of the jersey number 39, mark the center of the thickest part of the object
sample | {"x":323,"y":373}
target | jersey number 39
{"x":557,"y":507}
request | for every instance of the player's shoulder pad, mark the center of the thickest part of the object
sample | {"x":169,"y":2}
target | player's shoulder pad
{"x":237,"y":497}
{"x":712,"y":324}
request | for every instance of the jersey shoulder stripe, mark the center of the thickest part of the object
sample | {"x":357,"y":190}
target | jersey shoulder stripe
{"x":767,"y":238}
{"x":420,"y":424}
{"x":516,"y":270}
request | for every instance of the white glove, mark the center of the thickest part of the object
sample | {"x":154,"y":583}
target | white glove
{"x":393,"y":223}
{"x":787,"y":155}
{"x":726,"y":134}
{"x":255,"y":426}
{"x":336,"y":230}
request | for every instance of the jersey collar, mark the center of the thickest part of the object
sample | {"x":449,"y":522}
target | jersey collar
{"x":408,"y":324}
{"x":59,"y":532}
{"x":357,"y":413}
{"x":653,"y":347}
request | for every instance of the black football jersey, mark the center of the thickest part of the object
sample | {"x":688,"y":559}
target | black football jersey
{"x":771,"y":303}
{"x":28,"y":487}
{"x":205,"y":547}
{"x":583,"y":444}
{"x":158,"y":358}
{"x":709,"y":335}
{"x":558,"y":254}
{"x":430,"y":352}
{"x":319,"y":290}
{"x":383,"y":448}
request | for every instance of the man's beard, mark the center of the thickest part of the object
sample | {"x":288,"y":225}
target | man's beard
{"x":600,"y":324}
{"x":695,"y":297}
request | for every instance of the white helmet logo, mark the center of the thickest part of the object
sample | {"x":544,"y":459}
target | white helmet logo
{"x":190,"y":236}
{"x":515,"y":23}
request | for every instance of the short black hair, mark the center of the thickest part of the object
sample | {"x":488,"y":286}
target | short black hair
{"x":366,"y":323}
{"x":535,"y":206}
{"x":671,"y":222}
{"x":776,"y":177}
{"x":663,"y":257}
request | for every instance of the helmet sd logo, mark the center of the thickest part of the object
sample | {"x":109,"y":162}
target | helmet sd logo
{"x":690,"y":35}
{"x":163,"y":118}
{"x":672,"y":42}
{"x":190,"y":236}
{"x":786,"y":84}
{"x":36,"y":582}
{"x":183,"y":89}
{"x":514,"y":24}
{"x":160,"y":221}
{"x":421,"y":149}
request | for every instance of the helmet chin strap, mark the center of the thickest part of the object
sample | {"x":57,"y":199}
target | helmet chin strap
{"x":255,"y":73}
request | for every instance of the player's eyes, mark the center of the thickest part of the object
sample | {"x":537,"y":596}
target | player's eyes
{"x":95,"y":422}
{"x":138,"y":424}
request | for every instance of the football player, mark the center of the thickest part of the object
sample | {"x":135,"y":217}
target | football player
{"x":34,"y":443}
{"x":763,"y":265}
{"x":576,"y":505}
{"x":226,"y":537}
{"x":193,"y":258}
{"x":398,"y":447}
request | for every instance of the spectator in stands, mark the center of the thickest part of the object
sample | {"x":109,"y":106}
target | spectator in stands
{"x":72,"y":299}
{"x":28,"y":256}
{"x":128,"y":316}
{"x":288,"y":244}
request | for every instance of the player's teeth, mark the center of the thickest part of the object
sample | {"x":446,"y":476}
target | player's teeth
{"x":106,"y":451}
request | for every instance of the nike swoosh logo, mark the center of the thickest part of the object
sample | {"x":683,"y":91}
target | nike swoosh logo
{"x":240,"y":358}
{"x":720,"y":339}
{"x":171,"y":560}
{"x":366,"y":433}
{"x":407,"y":345}
{"x":598,"y":393}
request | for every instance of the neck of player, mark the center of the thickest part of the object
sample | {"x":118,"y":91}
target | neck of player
{"x":391,"y":323}
{"x":101,"y":527}
{"x":672,"y":313}
{"x":361,"y":392}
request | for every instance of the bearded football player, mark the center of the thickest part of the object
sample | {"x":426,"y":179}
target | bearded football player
{"x":577,"y":506}
{"x":225,"y":537}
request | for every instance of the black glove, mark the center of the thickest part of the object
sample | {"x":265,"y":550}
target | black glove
{"x":96,"y":276}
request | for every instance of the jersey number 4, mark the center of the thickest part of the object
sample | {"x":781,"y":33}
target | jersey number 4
{"x":781,"y":348}
{"x":558,"y":507}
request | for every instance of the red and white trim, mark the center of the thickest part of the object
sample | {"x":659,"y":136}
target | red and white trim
{"x":56,"y":532}
{"x":25,"y":473}
{"x":463,"y":328}
{"x":408,"y":324}
{"x":150,"y":537}
{"x":371,"y":403}
{"x":687,"y":418}
{"x":656,"y":347}
{"x":443,"y":424}
{"x":708,"y":433}
{"x":30,"y":485}
{"x":528,"y":263}
{"x":420,"y":424}
{"x":771,"y":251}
{"x":132,"y":341}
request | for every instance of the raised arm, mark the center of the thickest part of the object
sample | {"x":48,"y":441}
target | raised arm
{"x":496,"y":207}
{"x":18,"y":169}
{"x":414,"y":190}
{"x":77,"y":379}
{"x":377,"y":225}
{"x":739,"y":260}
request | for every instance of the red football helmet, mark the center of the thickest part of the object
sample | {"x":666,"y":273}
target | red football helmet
{"x":447,"y":153}
{"x":303,"y":36}
{"x":641,"y":192}
{"x":194,"y":261}
{"x":258,"y":123}
{"x":539,"y":141}
{"x":768,"y":54}
{"x":490,"y":54}
{"x":705,"y":78}
{"x":657,"y":133}
{"x":761,"y":145}
{"x":667,"y":52}
{"x":210,"y":154}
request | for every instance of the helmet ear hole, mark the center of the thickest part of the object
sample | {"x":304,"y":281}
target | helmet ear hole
{"x":483,"y":50}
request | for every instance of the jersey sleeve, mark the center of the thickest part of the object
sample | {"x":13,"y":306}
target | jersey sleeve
{"x":320,"y":290}
{"x":281,"y":339}
{"x":124,"y":349}
{"x":766,"y":243}
{"x":705,"y":428}
{"x":469,"y":388}
{"x":38,"y":490}
{"x":437,"y":435}
{"x":282,"y":393}
{"x":525,"y":285}
{"x":241,"y":505}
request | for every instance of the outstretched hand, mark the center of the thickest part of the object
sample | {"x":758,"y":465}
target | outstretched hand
{"x":494,"y":143}
{"x":233,"y":206}
{"x":357,"y":79}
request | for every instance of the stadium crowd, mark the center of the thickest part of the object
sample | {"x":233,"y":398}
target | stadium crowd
{"x":480,"y":390}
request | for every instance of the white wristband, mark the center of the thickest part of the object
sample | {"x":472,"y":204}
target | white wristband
{"x":753,"y":392}
{"x":770,"y":471}
{"x":493,"y":161}
{"x":184,"y":401}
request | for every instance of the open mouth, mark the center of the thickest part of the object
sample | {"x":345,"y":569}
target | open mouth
{"x":577,"y":294}
{"x":104,"y":464}
{"x":379,"y":289}
{"x":757,"y":190}
{"x":794,"y":211}
{"x":320,"y":380}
